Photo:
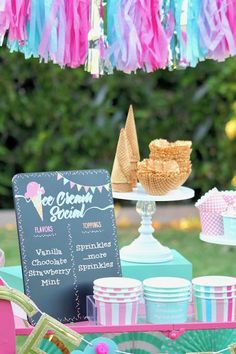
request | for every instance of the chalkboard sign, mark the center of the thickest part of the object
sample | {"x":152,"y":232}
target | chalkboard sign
{"x":67,"y":237}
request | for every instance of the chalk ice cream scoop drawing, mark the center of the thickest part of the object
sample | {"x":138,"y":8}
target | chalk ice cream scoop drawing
{"x":34,"y":192}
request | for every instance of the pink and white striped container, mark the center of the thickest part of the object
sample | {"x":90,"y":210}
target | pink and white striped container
{"x":117,"y":300}
{"x":116,"y":295}
{"x":115,"y":313}
{"x":117,"y":285}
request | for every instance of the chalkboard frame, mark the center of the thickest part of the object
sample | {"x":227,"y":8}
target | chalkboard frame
{"x":21,"y":233}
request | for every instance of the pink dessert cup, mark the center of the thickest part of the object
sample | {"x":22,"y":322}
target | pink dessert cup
{"x":121,"y":314}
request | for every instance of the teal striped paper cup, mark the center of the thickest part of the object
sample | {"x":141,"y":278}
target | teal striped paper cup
{"x":213,"y":283}
{"x":216,"y":295}
{"x":229,"y":226}
{"x":208,"y":309}
{"x":214,"y":290}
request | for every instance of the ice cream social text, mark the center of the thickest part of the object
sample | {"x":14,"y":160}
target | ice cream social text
{"x":65,"y":205}
{"x":63,"y":200}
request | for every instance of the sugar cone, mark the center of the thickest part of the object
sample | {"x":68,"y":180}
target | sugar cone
{"x":121,"y":171}
{"x":130,"y":129}
{"x":37,"y":201}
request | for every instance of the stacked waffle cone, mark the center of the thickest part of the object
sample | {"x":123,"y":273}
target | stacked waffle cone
{"x":168,"y":167}
{"x":124,"y":171}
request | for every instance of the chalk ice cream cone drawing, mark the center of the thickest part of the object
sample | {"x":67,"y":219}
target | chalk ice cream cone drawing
{"x":34,"y":192}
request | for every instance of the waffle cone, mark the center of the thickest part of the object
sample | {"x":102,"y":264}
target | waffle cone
{"x":130,"y":129}
{"x":122,"y":169}
{"x":160,"y":184}
{"x":162,"y":149}
{"x":184,"y":164}
{"x":169,"y":155}
{"x":121,"y":187}
{"x":134,"y":178}
{"x":184,"y":175}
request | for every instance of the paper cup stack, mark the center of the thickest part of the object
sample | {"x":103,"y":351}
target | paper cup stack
{"x":117,"y":300}
{"x":215,"y":298}
{"x":166,"y":299}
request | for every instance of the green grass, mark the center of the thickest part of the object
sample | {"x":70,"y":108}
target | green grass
{"x":207,"y":259}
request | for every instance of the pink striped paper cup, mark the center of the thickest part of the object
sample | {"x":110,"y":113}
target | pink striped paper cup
{"x":117,"y":284}
{"x":116,"y":290}
{"x":118,"y":299}
{"x":116,"y":295}
{"x":111,"y":314}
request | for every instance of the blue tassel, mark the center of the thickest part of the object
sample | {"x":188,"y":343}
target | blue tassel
{"x":34,"y":31}
{"x":195,"y":51}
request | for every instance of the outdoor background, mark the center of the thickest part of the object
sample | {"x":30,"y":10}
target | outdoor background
{"x":54,"y":119}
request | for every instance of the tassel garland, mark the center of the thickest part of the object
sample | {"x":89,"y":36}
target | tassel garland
{"x":134,"y":35}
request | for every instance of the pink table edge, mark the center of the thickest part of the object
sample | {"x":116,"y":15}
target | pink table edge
{"x":85,"y":328}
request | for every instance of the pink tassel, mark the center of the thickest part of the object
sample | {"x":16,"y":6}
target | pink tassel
{"x":52,"y":44}
{"x":231,"y":16}
{"x":216,"y":32}
{"x":154,"y":40}
{"x":4,"y":18}
{"x":77,"y":29}
{"x":18,"y":19}
{"x":138,"y":38}
{"x":126,"y":48}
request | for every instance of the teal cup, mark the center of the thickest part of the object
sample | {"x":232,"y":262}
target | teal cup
{"x":157,"y":295}
{"x":167,"y":291}
{"x":162,"y":311}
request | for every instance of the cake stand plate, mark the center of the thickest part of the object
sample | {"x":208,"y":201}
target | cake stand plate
{"x":219,"y":240}
{"x":146,"y":248}
{"x":139,"y":193}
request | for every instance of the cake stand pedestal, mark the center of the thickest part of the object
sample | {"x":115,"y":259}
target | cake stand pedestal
{"x":145,"y":248}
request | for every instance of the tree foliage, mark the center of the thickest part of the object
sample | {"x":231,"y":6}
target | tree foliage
{"x":54,"y":119}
